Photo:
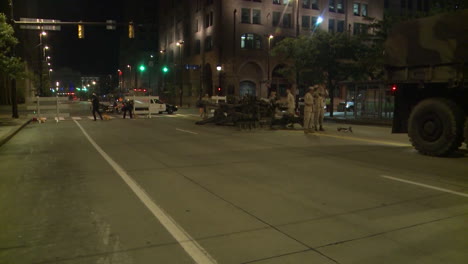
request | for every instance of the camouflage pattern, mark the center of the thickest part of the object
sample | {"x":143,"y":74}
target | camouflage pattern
{"x":433,"y":40}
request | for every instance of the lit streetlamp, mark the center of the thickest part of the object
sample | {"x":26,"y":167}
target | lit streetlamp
{"x":270,"y":37}
{"x":180,"y":43}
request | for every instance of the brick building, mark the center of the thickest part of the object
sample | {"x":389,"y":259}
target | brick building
{"x":210,"y":44}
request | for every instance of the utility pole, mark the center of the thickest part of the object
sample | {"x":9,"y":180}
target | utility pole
{"x":14,"y":99}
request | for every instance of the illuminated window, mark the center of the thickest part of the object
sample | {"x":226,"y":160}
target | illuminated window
{"x":251,"y":41}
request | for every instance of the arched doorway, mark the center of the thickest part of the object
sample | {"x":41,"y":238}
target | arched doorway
{"x":208,"y":80}
{"x":250,"y":76}
{"x":247,"y":88}
{"x":278,"y":82}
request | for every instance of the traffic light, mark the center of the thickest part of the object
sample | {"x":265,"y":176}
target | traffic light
{"x":80,"y":31}
{"x":165,"y":69}
{"x":131,"y":30}
{"x":219,"y":90}
{"x":142,"y":68}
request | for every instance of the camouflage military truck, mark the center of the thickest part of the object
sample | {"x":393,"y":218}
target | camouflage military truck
{"x":427,"y":68}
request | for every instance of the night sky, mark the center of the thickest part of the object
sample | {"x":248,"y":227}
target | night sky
{"x":97,"y":53}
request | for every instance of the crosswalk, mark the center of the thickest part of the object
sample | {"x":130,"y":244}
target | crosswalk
{"x":111,"y":117}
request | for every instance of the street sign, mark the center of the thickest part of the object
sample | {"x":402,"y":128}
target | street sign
{"x":40,"y":27}
{"x":110,"y":24}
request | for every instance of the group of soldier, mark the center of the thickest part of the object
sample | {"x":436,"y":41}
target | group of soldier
{"x":314,"y":104}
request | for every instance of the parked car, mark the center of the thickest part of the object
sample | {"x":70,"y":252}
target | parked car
{"x":155,"y":106}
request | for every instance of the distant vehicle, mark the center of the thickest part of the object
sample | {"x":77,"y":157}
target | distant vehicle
{"x":348,"y":106}
{"x":155,"y":105}
{"x":427,"y":64}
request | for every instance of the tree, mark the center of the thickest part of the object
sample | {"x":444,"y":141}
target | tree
{"x":321,"y":58}
{"x":11,"y":67}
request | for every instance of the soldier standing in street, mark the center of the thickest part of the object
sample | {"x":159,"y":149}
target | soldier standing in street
{"x":95,"y":103}
{"x":320,"y":94}
{"x":309,"y":111}
{"x":291,"y":102}
{"x":128,"y":106}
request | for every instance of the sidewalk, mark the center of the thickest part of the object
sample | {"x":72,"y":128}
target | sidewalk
{"x":10,"y":126}
{"x":340,"y":117}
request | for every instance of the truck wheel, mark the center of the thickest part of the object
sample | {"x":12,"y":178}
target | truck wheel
{"x":435,"y":127}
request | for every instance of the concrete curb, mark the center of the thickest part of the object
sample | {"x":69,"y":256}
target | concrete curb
{"x":11,"y":134}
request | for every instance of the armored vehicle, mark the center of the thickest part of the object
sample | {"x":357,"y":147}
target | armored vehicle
{"x":427,"y":70}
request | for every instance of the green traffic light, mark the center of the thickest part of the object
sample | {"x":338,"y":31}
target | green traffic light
{"x":165,"y":69}
{"x":142,"y":68}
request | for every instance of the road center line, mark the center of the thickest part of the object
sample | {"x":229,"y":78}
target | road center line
{"x":382,"y":142}
{"x":193,"y":249}
{"x":186,"y":131}
{"x":426,"y":186}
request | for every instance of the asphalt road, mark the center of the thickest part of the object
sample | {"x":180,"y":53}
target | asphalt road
{"x":164,"y":190}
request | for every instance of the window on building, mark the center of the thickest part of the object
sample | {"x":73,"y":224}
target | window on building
{"x":285,"y":2}
{"x":245,"y":15}
{"x":251,"y":41}
{"x":331,"y":5}
{"x":256,"y":16}
{"x":340,"y":26}
{"x":211,"y":18}
{"x":305,"y":22}
{"x":315,"y":4}
{"x":331,"y":25}
{"x":208,"y":2}
{"x":287,"y":21}
{"x":364,"y":10}
{"x":276,"y":2}
{"x":313,"y":22}
{"x":359,"y":28}
{"x":340,"y":6}
{"x":197,"y":46}
{"x":208,"y":43}
{"x":403,"y":4}
{"x":207,"y":20}
{"x":276,"y":18}
{"x":305,"y":3}
{"x":385,"y":4}
{"x":356,"y":9}
{"x":410,"y":5}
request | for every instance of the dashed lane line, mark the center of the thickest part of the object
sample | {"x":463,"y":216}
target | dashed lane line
{"x":186,"y":131}
{"x":193,"y":249}
{"x":425,"y":186}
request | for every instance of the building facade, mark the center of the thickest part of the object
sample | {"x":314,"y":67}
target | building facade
{"x":223,"y":47}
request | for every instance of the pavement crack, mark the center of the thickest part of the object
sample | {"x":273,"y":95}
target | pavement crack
{"x":389,"y":231}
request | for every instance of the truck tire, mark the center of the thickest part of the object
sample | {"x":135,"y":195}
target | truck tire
{"x":435,"y":127}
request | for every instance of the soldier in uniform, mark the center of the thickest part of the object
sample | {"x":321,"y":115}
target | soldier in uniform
{"x":320,"y":95}
{"x":308,"y":111}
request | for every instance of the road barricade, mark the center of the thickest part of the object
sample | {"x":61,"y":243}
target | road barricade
{"x":48,"y":107}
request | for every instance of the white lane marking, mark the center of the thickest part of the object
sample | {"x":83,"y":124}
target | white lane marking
{"x":426,"y":186}
{"x":186,"y":131}
{"x":193,"y":249}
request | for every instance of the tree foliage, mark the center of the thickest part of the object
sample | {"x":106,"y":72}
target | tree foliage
{"x":9,"y":64}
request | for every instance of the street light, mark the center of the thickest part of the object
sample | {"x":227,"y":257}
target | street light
{"x":130,"y":68}
{"x":219,"y":68}
{"x":270,"y":37}
{"x":41,"y":59}
{"x":180,"y":43}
